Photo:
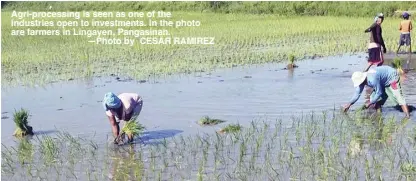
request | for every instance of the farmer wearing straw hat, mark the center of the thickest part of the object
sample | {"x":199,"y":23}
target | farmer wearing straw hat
{"x":375,"y":56}
{"x":385,"y":81}
{"x":121,"y":107}
{"x":405,"y":28}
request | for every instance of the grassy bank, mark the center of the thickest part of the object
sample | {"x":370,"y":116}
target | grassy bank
{"x":239,"y":39}
{"x":352,"y":9}
{"x":309,"y":147}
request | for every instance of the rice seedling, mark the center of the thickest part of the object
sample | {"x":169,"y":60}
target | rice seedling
{"x":25,"y":152}
{"x":206,"y":120}
{"x":323,"y":151}
{"x":131,"y":128}
{"x":231,"y":128}
{"x":291,"y":63}
{"x":20,"y":119}
{"x":240,"y":39}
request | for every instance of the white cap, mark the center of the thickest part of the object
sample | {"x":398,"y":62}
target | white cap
{"x":358,"y":78}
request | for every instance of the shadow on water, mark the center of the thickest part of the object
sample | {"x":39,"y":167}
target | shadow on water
{"x":125,"y":163}
{"x":150,"y":137}
{"x":399,"y":108}
{"x":46,"y":132}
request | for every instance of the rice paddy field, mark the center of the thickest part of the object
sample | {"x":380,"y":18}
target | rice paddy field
{"x":240,"y":39}
{"x":229,"y":111}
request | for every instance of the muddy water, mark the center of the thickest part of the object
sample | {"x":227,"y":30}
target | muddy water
{"x":172,"y":105}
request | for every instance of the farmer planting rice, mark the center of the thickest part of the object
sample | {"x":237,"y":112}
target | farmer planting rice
{"x":122,"y":107}
{"x":405,"y":28}
{"x":385,"y":81}
{"x":375,"y":56}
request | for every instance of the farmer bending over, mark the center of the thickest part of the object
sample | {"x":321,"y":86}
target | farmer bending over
{"x":405,"y":28}
{"x":386,"y":83}
{"x":375,"y":56}
{"x":121,"y":107}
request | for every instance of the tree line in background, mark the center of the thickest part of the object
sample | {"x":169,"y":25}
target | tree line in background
{"x":335,"y":8}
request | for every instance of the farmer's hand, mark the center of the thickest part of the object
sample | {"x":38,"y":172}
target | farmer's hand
{"x":115,"y":141}
{"x":366,"y":105}
{"x":346,"y":107}
{"x":119,"y":139}
{"x":384,"y":50}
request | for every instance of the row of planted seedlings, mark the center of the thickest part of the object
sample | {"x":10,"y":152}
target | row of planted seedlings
{"x":308,"y":147}
{"x":234,"y":43}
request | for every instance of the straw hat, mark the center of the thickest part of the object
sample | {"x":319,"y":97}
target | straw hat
{"x":358,"y":78}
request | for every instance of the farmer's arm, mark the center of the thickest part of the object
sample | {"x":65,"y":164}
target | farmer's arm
{"x":354,"y":99}
{"x":114,"y":125}
{"x":411,"y":26}
{"x":381,"y":40}
{"x":370,"y":28}
{"x":357,"y":94}
{"x":379,"y":89}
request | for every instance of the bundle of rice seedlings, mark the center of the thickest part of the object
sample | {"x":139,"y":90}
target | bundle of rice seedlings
{"x":22,"y":127}
{"x":209,"y":121}
{"x":291,"y":64}
{"x":232,"y":128}
{"x":133,"y":128}
{"x":397,"y":63}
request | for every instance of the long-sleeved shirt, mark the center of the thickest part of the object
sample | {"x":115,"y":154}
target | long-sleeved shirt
{"x":378,"y":79}
{"x":406,"y":26}
{"x":376,"y":34}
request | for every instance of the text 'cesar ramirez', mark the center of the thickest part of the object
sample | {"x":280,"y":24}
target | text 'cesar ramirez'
{"x":156,"y":41}
{"x":178,"y":40}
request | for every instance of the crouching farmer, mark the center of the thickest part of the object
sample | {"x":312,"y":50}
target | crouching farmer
{"x":122,"y":107}
{"x":385,"y":81}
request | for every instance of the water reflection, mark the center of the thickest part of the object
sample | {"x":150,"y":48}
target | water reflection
{"x":372,"y":132}
{"x":125,"y":164}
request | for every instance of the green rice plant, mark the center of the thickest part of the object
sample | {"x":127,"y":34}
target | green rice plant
{"x":25,"y":151}
{"x":321,"y":152}
{"x":133,"y":128}
{"x":397,"y":63}
{"x":231,"y":128}
{"x":49,"y":149}
{"x":209,"y":121}
{"x":20,"y":119}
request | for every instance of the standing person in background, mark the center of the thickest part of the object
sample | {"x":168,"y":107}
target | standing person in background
{"x":405,"y":28}
{"x":375,"y":56}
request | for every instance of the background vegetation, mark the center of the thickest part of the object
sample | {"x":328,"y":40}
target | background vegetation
{"x":243,"y":35}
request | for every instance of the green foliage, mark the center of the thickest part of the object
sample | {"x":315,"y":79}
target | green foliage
{"x":326,"y":148}
{"x":133,"y":127}
{"x":231,"y":128}
{"x":291,"y":59}
{"x":408,"y":167}
{"x":397,"y":63}
{"x":20,"y":118}
{"x":209,"y":121}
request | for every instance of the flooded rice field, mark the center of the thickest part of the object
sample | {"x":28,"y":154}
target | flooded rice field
{"x":284,"y":142}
